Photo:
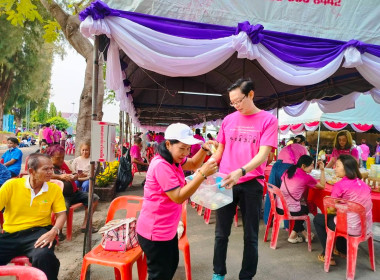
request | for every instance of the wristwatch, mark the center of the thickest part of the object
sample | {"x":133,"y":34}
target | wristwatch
{"x":57,"y":229}
{"x":243,"y":171}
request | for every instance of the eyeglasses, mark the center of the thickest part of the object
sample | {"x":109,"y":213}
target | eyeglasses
{"x":237,"y":102}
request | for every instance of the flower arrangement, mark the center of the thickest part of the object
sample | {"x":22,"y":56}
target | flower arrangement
{"x":109,"y":173}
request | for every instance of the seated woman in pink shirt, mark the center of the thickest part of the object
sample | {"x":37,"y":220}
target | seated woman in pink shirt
{"x":287,"y":157}
{"x":295,"y":183}
{"x":350,"y":188}
{"x":164,"y":192}
{"x":342,"y":146}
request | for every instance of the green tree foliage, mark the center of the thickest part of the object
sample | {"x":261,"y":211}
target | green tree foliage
{"x":25,"y":66}
{"x":22,"y":11}
{"x":52,"y":110}
{"x":59,"y":122}
{"x":40,"y":114}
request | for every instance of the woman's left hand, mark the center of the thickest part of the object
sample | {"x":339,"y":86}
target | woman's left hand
{"x":232,"y":179}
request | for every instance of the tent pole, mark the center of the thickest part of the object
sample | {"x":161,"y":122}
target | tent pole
{"x":316,"y":155}
{"x":95,"y":75}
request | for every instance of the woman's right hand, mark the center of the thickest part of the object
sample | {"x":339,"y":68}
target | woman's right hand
{"x":209,"y":167}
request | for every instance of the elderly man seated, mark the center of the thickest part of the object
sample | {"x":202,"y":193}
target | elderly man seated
{"x":28,"y":203}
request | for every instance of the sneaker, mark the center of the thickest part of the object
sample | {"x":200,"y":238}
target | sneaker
{"x":298,"y":239}
{"x":217,"y":277}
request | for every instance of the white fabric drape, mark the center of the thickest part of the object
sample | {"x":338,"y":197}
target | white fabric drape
{"x":175,"y":56}
{"x":297,"y":110}
{"x":310,"y":127}
{"x":338,"y":105}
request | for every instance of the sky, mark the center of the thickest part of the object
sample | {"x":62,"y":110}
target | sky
{"x":67,"y":84}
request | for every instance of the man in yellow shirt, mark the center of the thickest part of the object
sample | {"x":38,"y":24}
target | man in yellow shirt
{"x":27,"y":227}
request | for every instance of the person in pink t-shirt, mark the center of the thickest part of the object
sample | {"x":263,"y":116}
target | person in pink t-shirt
{"x":245,"y":138}
{"x":56,"y":135}
{"x":47,"y":134}
{"x":136,"y":158}
{"x":343,"y":145}
{"x":287,"y":157}
{"x":195,"y":148}
{"x":295,"y":184}
{"x":164,"y":192}
{"x":365,"y":153}
{"x":350,"y":187}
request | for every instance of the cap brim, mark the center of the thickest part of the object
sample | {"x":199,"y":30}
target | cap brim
{"x":191,"y":141}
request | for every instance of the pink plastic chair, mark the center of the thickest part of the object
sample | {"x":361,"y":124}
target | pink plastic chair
{"x":343,"y":207}
{"x":23,"y":272}
{"x":273,"y":190}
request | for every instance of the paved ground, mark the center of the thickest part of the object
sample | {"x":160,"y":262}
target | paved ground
{"x":288,"y":261}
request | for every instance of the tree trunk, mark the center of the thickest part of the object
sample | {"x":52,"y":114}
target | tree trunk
{"x":70,"y":27}
{"x":6,"y":80}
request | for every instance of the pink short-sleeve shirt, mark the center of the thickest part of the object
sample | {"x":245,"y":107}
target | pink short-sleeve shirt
{"x":242,"y":136}
{"x":159,"y":216}
{"x":353,"y":152}
{"x":357,"y":191}
{"x":135,"y":152}
{"x":297,"y":185}
{"x":291,"y":153}
{"x":365,"y":151}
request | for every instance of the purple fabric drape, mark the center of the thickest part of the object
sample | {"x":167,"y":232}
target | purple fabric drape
{"x":294,"y":49}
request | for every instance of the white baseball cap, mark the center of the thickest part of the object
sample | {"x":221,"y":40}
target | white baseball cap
{"x":182,"y":133}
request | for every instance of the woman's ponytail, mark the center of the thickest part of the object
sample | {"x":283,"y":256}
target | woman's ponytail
{"x":303,"y":160}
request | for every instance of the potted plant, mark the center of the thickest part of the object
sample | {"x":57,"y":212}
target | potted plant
{"x":105,"y":181}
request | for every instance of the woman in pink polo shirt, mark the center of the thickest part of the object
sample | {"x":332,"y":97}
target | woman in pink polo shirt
{"x":295,"y":183}
{"x":350,"y":188}
{"x":287,"y":157}
{"x":342,"y":146}
{"x":164,"y":192}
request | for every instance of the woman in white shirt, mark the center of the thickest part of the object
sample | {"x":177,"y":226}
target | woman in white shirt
{"x":81,"y":166}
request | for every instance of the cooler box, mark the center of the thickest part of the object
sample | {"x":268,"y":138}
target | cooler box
{"x":210,"y":194}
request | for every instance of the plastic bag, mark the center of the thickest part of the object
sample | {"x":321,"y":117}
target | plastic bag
{"x":124,"y":173}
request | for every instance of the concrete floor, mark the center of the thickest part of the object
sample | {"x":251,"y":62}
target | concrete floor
{"x":288,"y":261}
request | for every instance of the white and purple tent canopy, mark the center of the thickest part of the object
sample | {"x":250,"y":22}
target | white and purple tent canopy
{"x":162,"y":59}
{"x":363,"y":116}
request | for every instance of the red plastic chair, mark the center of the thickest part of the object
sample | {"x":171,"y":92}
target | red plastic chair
{"x":183,"y":243}
{"x":70,"y":149}
{"x":1,"y":220}
{"x":266,"y":180}
{"x":21,"y":260}
{"x":273,"y":190}
{"x":343,"y":207}
{"x":26,"y":272}
{"x":70,"y":215}
{"x":149,"y":153}
{"x":121,"y":261}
